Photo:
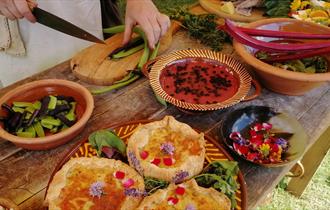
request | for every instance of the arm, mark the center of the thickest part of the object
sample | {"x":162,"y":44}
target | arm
{"x":16,"y":9}
{"x":145,"y":14}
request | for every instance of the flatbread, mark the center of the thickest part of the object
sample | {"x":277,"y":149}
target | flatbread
{"x":186,"y":196}
{"x":95,"y":184}
{"x":167,"y":149}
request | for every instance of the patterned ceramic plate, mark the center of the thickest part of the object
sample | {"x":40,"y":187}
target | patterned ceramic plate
{"x":213,"y":152}
{"x":200,"y":80}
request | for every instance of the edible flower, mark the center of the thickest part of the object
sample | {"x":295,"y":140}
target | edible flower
{"x":168,"y":161}
{"x":156,"y":161}
{"x":128,"y":183}
{"x":144,"y":155}
{"x":180,"y":176}
{"x":172,"y":201}
{"x":190,"y":207}
{"x":96,"y":189}
{"x":167,"y":148}
{"x":180,"y":190}
{"x":119,"y":175}
{"x":261,"y":146}
{"x":134,"y":192}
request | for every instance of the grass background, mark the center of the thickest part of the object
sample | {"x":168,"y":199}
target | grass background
{"x":316,"y":195}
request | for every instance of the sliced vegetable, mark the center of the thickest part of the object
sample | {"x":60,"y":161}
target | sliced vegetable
{"x":39,"y":130}
{"x":51,"y":121}
{"x":22,"y":104}
{"x":52,"y":102}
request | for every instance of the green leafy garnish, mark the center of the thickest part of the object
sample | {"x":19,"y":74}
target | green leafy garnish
{"x":106,"y":138}
{"x":276,"y":8}
{"x":152,"y":184}
{"x":221,"y":175}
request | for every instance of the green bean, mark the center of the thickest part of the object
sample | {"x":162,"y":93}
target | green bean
{"x":115,"y":86}
{"x":125,"y":53}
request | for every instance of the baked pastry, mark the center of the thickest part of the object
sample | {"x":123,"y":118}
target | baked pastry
{"x":167,"y":149}
{"x":95,"y":183}
{"x":186,"y":196}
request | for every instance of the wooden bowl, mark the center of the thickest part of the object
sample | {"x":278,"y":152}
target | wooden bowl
{"x":33,"y":91}
{"x":222,"y":65}
{"x":277,"y":79}
{"x":242,"y":119}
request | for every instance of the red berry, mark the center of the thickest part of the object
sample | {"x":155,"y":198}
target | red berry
{"x":144,"y":154}
{"x":180,"y":190}
{"x":119,"y":175}
{"x":156,"y":161}
{"x":168,"y":161}
{"x":172,"y":201}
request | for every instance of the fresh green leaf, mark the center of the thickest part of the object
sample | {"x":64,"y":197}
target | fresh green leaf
{"x":152,"y":184}
{"x":106,"y":138}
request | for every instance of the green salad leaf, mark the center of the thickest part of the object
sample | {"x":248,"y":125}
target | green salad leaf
{"x":106,"y":138}
{"x":221,"y":175}
{"x":277,"y":8}
{"x":152,"y":184}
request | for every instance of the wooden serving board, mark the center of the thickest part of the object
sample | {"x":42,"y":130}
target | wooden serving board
{"x":213,"y":6}
{"x":92,"y":64}
{"x":213,"y":151}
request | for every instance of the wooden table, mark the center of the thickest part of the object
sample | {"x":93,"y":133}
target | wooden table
{"x":24,"y":174}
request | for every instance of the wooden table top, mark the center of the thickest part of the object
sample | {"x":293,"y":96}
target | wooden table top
{"x":24,"y":174}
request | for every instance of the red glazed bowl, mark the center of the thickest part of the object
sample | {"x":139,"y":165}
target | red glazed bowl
{"x":33,"y":91}
{"x":277,"y":79}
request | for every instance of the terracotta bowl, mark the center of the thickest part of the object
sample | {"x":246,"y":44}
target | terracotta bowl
{"x":277,"y":79}
{"x":33,"y":91}
{"x":283,"y":124}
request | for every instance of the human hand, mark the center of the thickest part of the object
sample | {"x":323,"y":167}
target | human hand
{"x":17,"y":9}
{"x":144,"y":13}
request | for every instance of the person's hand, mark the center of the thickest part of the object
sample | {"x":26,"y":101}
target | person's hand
{"x":16,"y":9}
{"x":144,"y":13}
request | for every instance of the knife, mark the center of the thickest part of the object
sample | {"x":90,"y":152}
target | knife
{"x":45,"y":18}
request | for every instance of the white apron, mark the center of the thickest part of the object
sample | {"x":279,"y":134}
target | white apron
{"x":46,"y":47}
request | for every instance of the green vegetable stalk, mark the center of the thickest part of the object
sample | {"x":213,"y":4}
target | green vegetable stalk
{"x":131,"y":77}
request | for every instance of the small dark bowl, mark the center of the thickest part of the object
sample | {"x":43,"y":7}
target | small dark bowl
{"x":242,"y":119}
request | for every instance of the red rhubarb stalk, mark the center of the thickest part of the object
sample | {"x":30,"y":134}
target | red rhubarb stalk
{"x":268,"y":46}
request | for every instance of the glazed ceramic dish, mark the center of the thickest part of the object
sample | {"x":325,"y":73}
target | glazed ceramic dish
{"x":33,"y":91}
{"x":277,"y":79}
{"x":213,"y":152}
{"x":241,"y":121}
{"x":200,"y":80}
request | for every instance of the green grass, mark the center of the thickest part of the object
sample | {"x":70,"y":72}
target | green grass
{"x":162,"y":5}
{"x":315,"y":197}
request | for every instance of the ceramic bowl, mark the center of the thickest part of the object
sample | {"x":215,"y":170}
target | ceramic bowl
{"x":33,"y":91}
{"x":242,"y":119}
{"x":277,"y":79}
{"x":165,"y":75}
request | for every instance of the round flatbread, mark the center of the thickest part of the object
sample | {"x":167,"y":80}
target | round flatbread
{"x":167,"y":149}
{"x":95,"y":184}
{"x":186,"y":196}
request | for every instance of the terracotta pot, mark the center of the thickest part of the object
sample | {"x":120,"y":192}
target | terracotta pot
{"x":277,"y":79}
{"x":34,"y":91}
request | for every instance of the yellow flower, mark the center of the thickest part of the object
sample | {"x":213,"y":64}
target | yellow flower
{"x":295,"y":5}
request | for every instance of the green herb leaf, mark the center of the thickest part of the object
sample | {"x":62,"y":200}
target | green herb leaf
{"x":152,"y":184}
{"x":106,"y":138}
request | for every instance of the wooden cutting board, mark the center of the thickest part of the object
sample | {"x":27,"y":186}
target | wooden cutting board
{"x":93,"y":66}
{"x":213,"y":6}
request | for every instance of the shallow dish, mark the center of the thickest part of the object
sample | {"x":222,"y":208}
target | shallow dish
{"x":36,"y":90}
{"x":201,"y":80}
{"x":242,"y":119}
{"x":277,"y":79}
{"x":124,"y":130}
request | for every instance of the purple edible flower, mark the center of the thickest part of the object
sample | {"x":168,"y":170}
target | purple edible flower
{"x":135,"y":162}
{"x":190,"y":207}
{"x":96,"y":189}
{"x":167,"y":148}
{"x":282,"y":142}
{"x":180,"y":176}
{"x":134,"y":192}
